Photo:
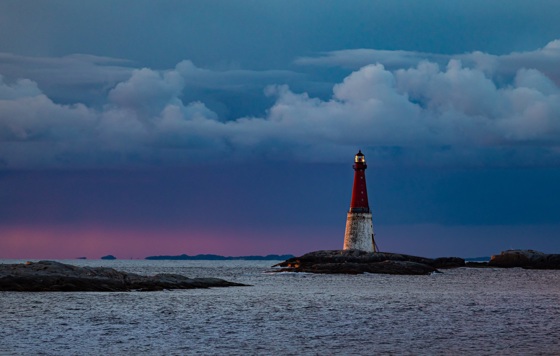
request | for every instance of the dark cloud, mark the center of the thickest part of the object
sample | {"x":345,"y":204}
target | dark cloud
{"x":218,"y":33}
{"x":271,"y":194}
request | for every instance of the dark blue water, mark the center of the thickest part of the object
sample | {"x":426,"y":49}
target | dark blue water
{"x":462,"y":311}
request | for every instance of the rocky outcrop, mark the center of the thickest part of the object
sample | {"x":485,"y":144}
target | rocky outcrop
{"x":526,"y":259}
{"x":356,"y":262}
{"x":46,"y":276}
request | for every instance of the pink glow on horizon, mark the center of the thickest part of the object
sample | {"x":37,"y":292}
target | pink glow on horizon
{"x":68,"y":242}
{"x":93,"y":242}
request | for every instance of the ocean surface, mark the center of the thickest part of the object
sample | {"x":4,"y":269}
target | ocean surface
{"x":461,"y":311}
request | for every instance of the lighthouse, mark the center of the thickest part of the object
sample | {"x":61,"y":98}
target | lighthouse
{"x":359,"y":227}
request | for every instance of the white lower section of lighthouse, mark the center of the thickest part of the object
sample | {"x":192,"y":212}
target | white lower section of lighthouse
{"x":359,"y":232}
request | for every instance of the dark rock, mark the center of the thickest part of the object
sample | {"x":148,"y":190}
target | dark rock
{"x":108,"y":257}
{"x":47,"y":276}
{"x":448,"y":262}
{"x":525,"y":259}
{"x":356,"y":262}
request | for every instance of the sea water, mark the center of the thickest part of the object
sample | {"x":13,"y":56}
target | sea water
{"x":461,"y":311}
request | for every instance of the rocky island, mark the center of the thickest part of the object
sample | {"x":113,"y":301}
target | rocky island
{"x":50,"y":276}
{"x":356,"y":262}
{"x":528,"y":259}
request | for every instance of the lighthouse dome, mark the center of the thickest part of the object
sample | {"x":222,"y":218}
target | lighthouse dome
{"x":360,"y":158}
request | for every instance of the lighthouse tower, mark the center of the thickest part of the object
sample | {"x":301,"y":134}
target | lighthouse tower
{"x":359,"y":227}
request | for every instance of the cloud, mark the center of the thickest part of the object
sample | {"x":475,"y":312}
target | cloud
{"x":89,"y":79}
{"x":430,"y":115}
{"x":36,"y":133}
{"x":68,"y":70}
{"x":425,"y":113}
{"x":357,"y":58}
{"x":545,"y":60}
{"x":232,"y":79}
{"x":20,"y":89}
{"x":68,"y":79}
{"x":147,"y":91}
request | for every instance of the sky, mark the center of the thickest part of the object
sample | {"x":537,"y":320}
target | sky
{"x":140,"y":128}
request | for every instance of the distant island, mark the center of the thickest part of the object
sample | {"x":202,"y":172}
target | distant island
{"x":478,"y":259}
{"x":108,"y":257}
{"x":221,"y":258}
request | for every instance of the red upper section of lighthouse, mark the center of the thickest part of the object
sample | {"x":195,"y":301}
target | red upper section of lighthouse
{"x":359,"y":202}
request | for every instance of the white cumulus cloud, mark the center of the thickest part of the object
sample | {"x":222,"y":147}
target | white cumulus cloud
{"x":466,"y":109}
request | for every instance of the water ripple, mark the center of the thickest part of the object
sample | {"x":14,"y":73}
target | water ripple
{"x":463,"y":311}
